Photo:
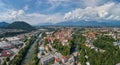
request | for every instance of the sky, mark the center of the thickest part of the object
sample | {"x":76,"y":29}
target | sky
{"x":54,"y":11}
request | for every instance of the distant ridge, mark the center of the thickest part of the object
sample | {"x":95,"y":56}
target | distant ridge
{"x":3,"y":24}
{"x":44,"y":24}
{"x":86,"y":23}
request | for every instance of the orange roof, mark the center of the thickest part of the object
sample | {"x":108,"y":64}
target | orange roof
{"x":63,"y":57}
{"x":92,"y":34}
{"x":47,"y":48}
{"x":57,"y":59}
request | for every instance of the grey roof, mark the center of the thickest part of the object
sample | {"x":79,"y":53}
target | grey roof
{"x":47,"y":58}
{"x":56,"y":64}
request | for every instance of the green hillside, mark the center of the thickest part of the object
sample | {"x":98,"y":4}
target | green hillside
{"x":21,"y":25}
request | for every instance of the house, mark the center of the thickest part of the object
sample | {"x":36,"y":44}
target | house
{"x":87,"y":63}
{"x":47,"y":48}
{"x":71,"y":61}
{"x":64,"y":59}
{"x":88,"y":45}
{"x":41,"y":48}
{"x":57,"y":60}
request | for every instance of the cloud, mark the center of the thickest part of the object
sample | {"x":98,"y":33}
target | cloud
{"x":94,"y":10}
{"x":55,"y":18}
{"x":11,"y":15}
{"x":108,"y":11}
{"x":26,"y":7}
{"x":54,"y":5}
{"x":36,"y":18}
{"x":32,"y":18}
{"x":93,"y":3}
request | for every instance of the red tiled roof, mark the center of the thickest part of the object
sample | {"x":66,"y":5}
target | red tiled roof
{"x":57,"y":59}
{"x":4,"y":53}
{"x":63,"y":57}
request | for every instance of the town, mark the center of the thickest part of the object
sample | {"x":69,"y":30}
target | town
{"x":62,"y":46}
{"x":59,"y":32}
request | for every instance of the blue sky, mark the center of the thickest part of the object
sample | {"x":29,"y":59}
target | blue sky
{"x":53,"y":11}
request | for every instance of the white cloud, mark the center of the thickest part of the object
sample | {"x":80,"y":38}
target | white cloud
{"x":55,"y":18}
{"x":11,"y":15}
{"x":102,"y":12}
{"x":36,"y":18}
{"x":56,"y":3}
{"x":93,"y":10}
{"x":20,"y":12}
{"x":93,"y":3}
{"x":32,"y":18}
{"x":14,"y":14}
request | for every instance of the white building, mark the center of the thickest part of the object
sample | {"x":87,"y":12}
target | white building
{"x":4,"y":44}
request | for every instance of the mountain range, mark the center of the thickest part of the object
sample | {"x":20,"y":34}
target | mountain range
{"x":86,"y":23}
{"x":24,"y":25}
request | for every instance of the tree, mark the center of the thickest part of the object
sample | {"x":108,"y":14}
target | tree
{"x":4,"y":63}
{"x":7,"y":59}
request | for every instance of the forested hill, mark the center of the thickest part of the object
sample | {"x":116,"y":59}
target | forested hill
{"x":20,"y":25}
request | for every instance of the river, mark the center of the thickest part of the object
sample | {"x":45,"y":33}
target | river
{"x":28,"y":58}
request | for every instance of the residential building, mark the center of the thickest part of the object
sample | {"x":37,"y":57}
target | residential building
{"x":45,"y":60}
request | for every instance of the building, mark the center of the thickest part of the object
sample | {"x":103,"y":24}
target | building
{"x":5,"y":53}
{"x":63,"y":35}
{"x":118,"y":64}
{"x":64,"y":59}
{"x":71,"y":61}
{"x":47,"y":48}
{"x":12,"y":38}
{"x":45,"y":60}
{"x":41,"y":48}
{"x":5,"y":45}
{"x":57,"y":60}
{"x":15,"y":41}
{"x":87,"y":63}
